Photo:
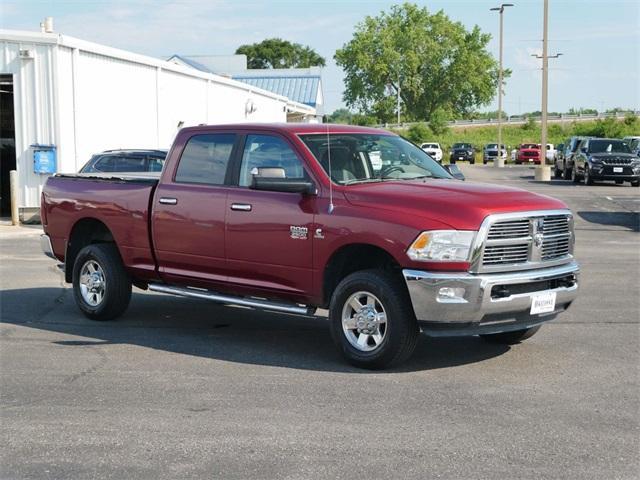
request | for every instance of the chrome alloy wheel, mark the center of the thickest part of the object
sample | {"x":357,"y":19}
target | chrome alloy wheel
{"x":92,"y":283}
{"x":364,"y":321}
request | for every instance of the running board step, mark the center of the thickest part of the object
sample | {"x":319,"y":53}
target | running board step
{"x":231,"y":300}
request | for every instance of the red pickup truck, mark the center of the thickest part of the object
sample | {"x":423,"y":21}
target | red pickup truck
{"x":528,"y":153}
{"x":296,"y":217}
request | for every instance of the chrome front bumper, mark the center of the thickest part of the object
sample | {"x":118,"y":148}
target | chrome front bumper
{"x":477,"y":310}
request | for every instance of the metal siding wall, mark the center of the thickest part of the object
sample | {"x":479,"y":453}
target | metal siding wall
{"x":33,"y":104}
{"x":115,"y":105}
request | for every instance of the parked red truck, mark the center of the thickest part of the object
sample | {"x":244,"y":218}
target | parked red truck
{"x":528,"y":153}
{"x":296,"y":217}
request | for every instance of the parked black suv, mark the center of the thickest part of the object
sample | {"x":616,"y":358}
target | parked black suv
{"x":126,"y":161}
{"x":605,"y":159}
{"x":564,"y":158}
{"x":462,"y":151}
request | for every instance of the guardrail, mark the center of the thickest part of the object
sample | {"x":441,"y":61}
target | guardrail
{"x":519,"y":119}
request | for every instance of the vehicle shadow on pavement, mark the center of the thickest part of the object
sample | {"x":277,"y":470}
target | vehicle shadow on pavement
{"x":630,"y":220}
{"x":203,"y":329}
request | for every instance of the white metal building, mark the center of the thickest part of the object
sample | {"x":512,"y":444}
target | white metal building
{"x":84,"y":98}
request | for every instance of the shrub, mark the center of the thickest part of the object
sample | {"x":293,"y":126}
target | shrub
{"x":438,"y":122}
{"x":418,"y":132}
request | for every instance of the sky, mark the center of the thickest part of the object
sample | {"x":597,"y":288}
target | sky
{"x":599,"y":40}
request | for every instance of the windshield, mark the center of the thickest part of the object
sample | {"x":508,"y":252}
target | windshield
{"x":429,"y":145}
{"x":361,"y":157}
{"x":608,"y":146}
{"x":461,"y":145}
{"x":529,"y":145}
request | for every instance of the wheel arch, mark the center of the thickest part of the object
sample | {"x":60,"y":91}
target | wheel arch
{"x":85,"y":231}
{"x":351,"y":258}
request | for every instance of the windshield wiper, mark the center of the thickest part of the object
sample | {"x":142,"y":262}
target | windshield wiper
{"x":362,"y":180}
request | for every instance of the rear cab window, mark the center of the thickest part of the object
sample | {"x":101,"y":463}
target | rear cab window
{"x":205,"y":159}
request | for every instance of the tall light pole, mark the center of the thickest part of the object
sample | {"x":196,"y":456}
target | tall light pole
{"x":499,"y":161}
{"x":543,"y":172}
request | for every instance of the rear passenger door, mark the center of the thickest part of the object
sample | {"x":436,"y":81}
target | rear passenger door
{"x":189,"y":211}
{"x":269,"y":234}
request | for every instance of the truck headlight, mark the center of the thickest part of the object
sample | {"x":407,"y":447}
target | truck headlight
{"x":442,"y":246}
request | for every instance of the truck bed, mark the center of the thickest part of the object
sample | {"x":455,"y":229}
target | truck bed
{"x":120,"y":201}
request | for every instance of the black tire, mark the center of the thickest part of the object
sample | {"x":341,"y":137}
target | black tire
{"x":619,"y":182}
{"x":636,"y":183}
{"x":557,"y":173}
{"x":472,"y":162}
{"x":452,"y":161}
{"x":117,"y":283}
{"x":587,"y":176}
{"x":401,"y":331}
{"x":574,"y":175}
{"x":566,"y":173}
{"x":510,"y":338}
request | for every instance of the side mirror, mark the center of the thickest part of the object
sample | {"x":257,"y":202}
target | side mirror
{"x":273,"y":179}
{"x":454,"y":171}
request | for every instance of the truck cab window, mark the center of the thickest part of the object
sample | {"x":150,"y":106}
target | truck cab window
{"x":205,"y":159}
{"x":268,"y":151}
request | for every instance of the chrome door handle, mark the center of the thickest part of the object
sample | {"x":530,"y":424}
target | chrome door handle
{"x":243,"y":207}
{"x":168,"y":201}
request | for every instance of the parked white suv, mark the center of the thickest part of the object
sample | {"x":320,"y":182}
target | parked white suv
{"x":433,"y":150}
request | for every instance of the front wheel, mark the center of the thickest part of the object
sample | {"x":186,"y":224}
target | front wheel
{"x":635,"y":183}
{"x":510,"y":338}
{"x":574,"y":175}
{"x":372,"y":320}
{"x":587,"y":176}
{"x":101,"y":285}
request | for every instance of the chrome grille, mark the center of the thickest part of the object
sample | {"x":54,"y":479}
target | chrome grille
{"x":501,"y":255}
{"x":555,"y":224}
{"x":617,"y":161}
{"x":522,"y":241}
{"x":555,"y":247}
{"x":510,"y":229}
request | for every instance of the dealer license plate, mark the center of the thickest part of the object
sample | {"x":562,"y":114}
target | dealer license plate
{"x":460,"y":158}
{"x":617,"y":169}
{"x":543,"y":303}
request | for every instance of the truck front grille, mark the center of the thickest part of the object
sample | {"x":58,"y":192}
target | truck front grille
{"x":515,"y":242}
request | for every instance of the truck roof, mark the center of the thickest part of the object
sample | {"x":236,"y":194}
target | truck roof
{"x":295,"y":128}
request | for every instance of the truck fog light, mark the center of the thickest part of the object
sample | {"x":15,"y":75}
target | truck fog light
{"x":451,"y":294}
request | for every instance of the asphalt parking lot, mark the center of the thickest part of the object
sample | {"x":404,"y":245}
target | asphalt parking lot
{"x":180,"y":388}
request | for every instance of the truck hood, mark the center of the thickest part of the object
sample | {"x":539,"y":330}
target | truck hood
{"x":461,"y":205}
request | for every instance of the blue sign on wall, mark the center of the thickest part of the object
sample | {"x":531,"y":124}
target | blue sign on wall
{"x":44,"y":159}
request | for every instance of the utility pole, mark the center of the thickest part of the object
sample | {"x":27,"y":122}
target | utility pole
{"x":398,"y":100}
{"x":543,"y":171}
{"x":499,"y":161}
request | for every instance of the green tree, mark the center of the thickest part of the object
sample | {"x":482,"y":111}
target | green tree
{"x":341,"y":115}
{"x":278,"y":53}
{"x":435,"y":62}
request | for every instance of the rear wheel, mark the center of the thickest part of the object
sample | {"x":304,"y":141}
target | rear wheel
{"x":510,"y":338}
{"x":101,"y":285}
{"x":372,"y":321}
{"x":636,"y":183}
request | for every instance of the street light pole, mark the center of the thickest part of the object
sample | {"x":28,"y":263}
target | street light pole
{"x":499,"y":161}
{"x":543,"y":172}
